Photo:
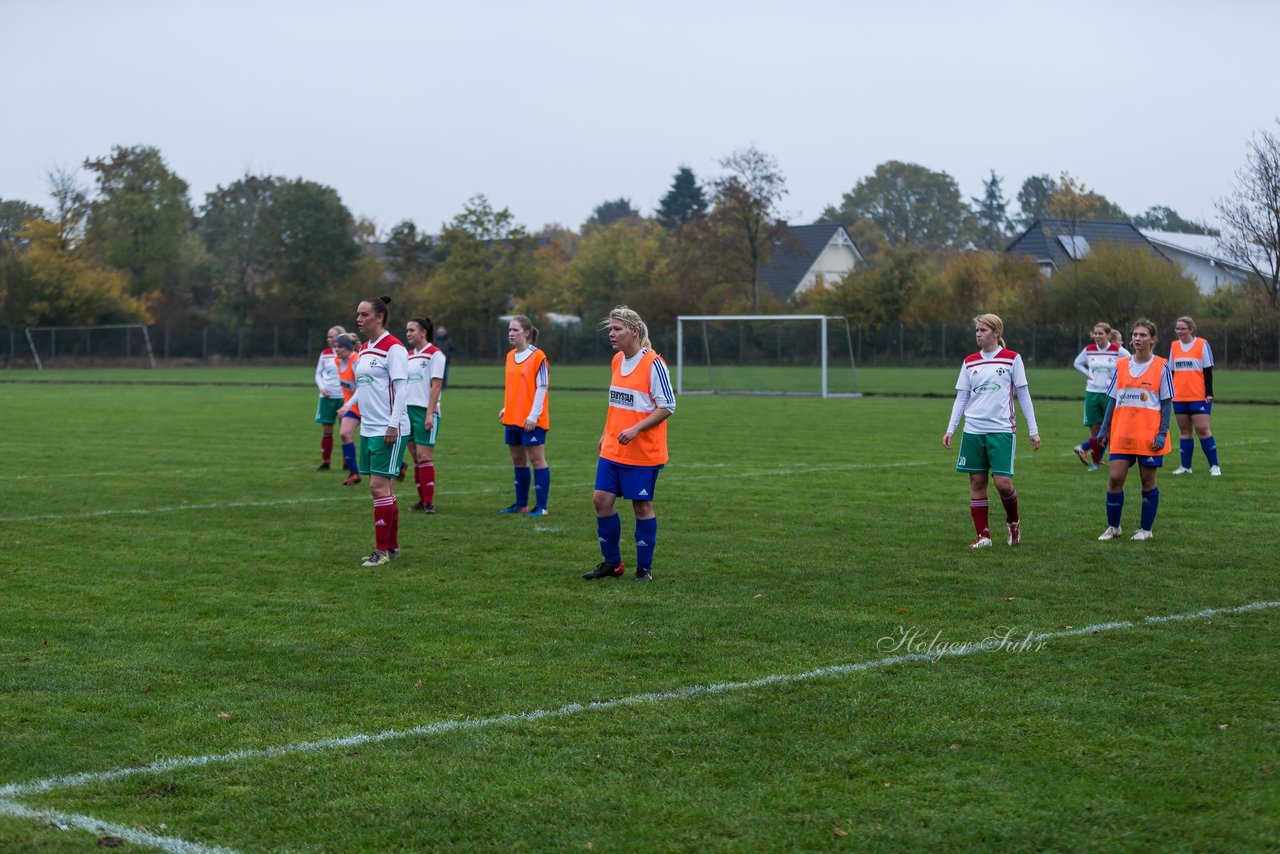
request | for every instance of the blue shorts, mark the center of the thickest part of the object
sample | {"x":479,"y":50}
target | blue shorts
{"x":634,"y":483}
{"x":1145,"y":462}
{"x":351,"y":415}
{"x":1192,"y":407}
{"x":521,"y":436}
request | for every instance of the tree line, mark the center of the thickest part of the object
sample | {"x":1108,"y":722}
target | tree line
{"x":131,"y":247}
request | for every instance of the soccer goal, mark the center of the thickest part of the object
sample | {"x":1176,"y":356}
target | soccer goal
{"x":808,"y":354}
{"x":110,"y":342}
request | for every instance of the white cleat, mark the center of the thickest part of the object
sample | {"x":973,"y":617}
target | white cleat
{"x":1143,"y":534}
{"x":1215,"y":471}
{"x":1109,"y":534}
{"x":981,"y":543}
{"x":1182,"y":470}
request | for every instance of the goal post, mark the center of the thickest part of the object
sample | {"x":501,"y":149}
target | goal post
{"x":767,"y":354}
{"x":112,"y":341}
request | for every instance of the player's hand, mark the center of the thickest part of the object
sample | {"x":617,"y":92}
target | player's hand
{"x":1035,"y":443}
{"x":627,"y":435}
{"x":600,"y":444}
{"x":946,"y":440}
{"x":429,"y":421}
{"x":502,"y":412}
{"x":530,"y":424}
{"x":1208,"y":398}
{"x":1158,"y":444}
{"x":392,"y":435}
{"x":1101,"y":439}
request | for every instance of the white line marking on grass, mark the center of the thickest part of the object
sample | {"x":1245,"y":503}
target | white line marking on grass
{"x":50,"y":784}
{"x":360,"y":493}
{"x":131,"y":472}
{"x":131,"y":834}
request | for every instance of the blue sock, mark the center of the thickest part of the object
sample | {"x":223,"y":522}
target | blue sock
{"x":1084,"y":446}
{"x":541,"y":486}
{"x":1186,"y":447}
{"x":1115,"y":504}
{"x":522,"y":486}
{"x":646,"y":539}
{"x":349,"y":457}
{"x":609,"y":529}
{"x":1210,"y":449}
{"x":1150,"y":504}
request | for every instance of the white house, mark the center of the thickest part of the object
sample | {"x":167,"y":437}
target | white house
{"x":1200,"y":258}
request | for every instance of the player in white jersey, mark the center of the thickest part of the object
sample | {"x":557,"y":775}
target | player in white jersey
{"x":426,"y":384}
{"x":330,"y":396}
{"x":989,"y":381}
{"x":1097,"y":362}
{"x":382,"y":368}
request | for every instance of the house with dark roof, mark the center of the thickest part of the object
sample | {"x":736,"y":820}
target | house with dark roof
{"x":1055,"y":243}
{"x":803,"y":255}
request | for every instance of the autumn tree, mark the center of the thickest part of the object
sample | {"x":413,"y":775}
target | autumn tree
{"x":1122,"y":283}
{"x":910,"y":204}
{"x":1250,"y":218}
{"x":233,"y":227}
{"x":991,"y":214}
{"x":140,"y":217}
{"x":1165,"y":218}
{"x":1032,"y":197}
{"x":488,"y":266}
{"x":607,"y":213}
{"x":745,"y":209}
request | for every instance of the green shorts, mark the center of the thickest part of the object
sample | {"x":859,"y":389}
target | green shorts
{"x":418,"y":427}
{"x":982,"y":452}
{"x":327,"y":410}
{"x":379,"y":459}
{"x":1095,"y":407}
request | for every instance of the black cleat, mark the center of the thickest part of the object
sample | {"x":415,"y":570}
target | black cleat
{"x":605,"y":570}
{"x":429,"y":509}
{"x":322,"y":467}
{"x":644,"y":573}
{"x":417,"y":506}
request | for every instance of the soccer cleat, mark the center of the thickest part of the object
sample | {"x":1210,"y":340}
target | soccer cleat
{"x":981,"y":543}
{"x":1215,"y":471}
{"x":1082,"y":454}
{"x":514,"y":508}
{"x":429,"y":509}
{"x":1015,"y":533}
{"x":1143,"y":534}
{"x":322,"y":467}
{"x":644,"y":573}
{"x":393,"y":554}
{"x":605,"y":570}
{"x":1110,"y":534}
{"x":352,"y":479}
{"x":417,"y":506}
{"x":537,"y":512}
{"x":1182,"y":470}
{"x":1092,"y":467}
{"x":376,"y":559}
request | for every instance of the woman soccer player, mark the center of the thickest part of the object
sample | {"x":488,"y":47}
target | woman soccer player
{"x":1137,"y":427}
{"x":633,"y":446}
{"x":526,"y":415}
{"x":382,"y":369}
{"x":1192,"y":363}
{"x":330,"y":397}
{"x":1097,"y":362}
{"x":989,"y":381}
{"x":346,"y":346}
{"x":425,"y":384}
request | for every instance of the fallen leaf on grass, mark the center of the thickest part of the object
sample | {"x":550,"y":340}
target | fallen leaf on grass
{"x":758,"y":596}
{"x":1010,"y":598}
{"x":110,"y":842}
{"x":418,"y":684}
{"x":1223,"y":726}
{"x":224,"y":716}
{"x":887,"y":784}
{"x":839,"y":831}
{"x":902,"y":610}
{"x":1266,"y":769}
{"x":956,"y":746}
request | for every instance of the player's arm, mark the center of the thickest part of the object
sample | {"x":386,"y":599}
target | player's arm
{"x":541,"y":384}
{"x":663,"y":398}
{"x":1081,"y":364}
{"x":1029,"y":412}
{"x":957,"y":408}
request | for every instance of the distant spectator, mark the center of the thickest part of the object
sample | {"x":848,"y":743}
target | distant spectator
{"x":445,"y":344}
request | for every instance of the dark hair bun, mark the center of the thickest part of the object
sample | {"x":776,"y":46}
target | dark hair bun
{"x":385,"y":300}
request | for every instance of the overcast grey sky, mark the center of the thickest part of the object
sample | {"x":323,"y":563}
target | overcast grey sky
{"x":410,"y":108}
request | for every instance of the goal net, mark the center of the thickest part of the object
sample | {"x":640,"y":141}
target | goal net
{"x":112,"y":343}
{"x":809,"y":354}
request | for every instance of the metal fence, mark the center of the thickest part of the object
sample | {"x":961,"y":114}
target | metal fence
{"x":1236,"y":344}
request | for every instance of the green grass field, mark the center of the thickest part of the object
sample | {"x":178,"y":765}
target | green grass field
{"x":192,"y":660}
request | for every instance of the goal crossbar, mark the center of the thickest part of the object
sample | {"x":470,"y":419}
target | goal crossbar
{"x":823,"y":321}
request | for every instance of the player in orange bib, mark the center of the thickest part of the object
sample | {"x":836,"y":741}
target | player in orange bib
{"x":345,"y":347}
{"x":1192,"y":363}
{"x":526,"y":415}
{"x":1137,"y":427}
{"x":633,"y":446}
